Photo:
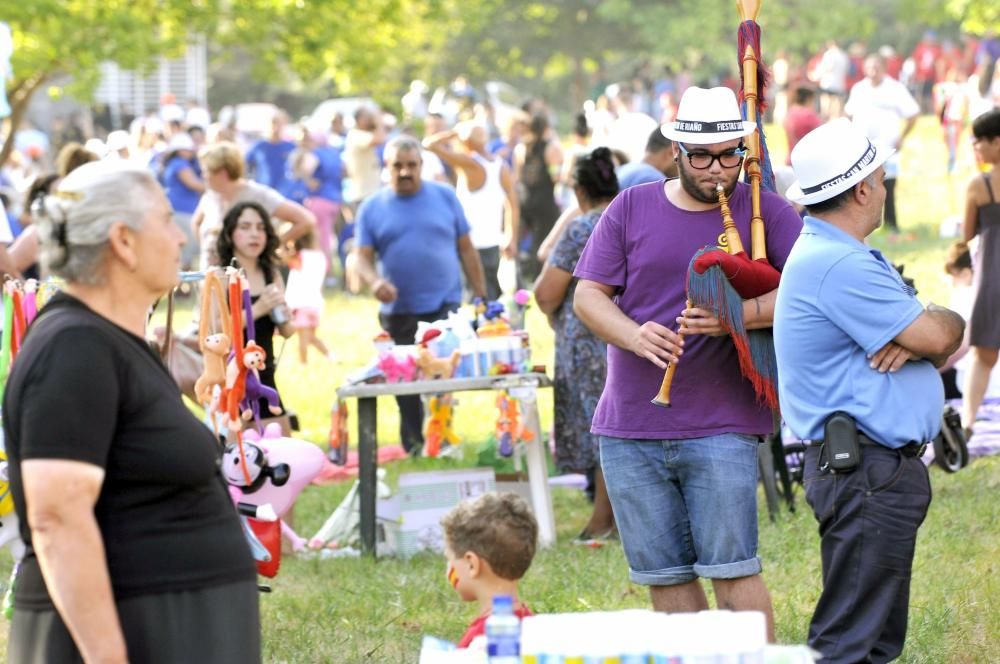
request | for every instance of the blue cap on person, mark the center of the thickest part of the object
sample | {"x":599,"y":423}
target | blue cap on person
{"x":706,"y":116}
{"x":831,"y":159}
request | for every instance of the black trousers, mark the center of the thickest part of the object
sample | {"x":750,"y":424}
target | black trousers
{"x":868,"y":522}
{"x":490,"y":258}
{"x":402,"y":328}
{"x":215,"y":624}
{"x":890,"y":204}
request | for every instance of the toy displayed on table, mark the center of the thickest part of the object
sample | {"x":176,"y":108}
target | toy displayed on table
{"x":397,"y":367}
{"x":436,"y":364}
{"x":488,"y":316}
{"x":392,"y":363}
{"x":509,"y":428}
{"x":435,"y":368}
{"x":488,"y":345}
{"x":438,"y":430}
{"x":520,"y":303}
{"x":459,"y":346}
{"x":383,"y":342}
{"x":339,"y":434}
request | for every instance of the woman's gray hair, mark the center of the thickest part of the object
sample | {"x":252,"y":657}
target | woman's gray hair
{"x":75,"y":219}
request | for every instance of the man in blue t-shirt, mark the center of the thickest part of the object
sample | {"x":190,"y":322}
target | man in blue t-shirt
{"x":420,"y":236}
{"x":851,"y":338}
{"x":657,"y":164}
{"x":267,"y":160}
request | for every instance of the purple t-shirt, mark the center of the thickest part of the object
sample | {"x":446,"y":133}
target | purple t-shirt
{"x":643,"y":245}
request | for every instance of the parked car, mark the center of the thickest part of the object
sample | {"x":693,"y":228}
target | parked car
{"x":319,"y":120}
{"x":250,"y":119}
{"x":504,"y":98}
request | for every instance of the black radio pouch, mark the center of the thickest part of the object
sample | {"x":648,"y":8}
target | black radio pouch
{"x":841,"y":448}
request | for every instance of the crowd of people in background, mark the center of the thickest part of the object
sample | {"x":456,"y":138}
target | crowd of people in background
{"x":464,"y":198}
{"x":329,"y":170}
{"x":515,"y":178}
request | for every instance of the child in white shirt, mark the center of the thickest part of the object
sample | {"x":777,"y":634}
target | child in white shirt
{"x":304,"y":294}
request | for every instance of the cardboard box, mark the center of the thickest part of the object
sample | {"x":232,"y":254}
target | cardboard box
{"x":515,"y":483}
{"x":424,"y":498}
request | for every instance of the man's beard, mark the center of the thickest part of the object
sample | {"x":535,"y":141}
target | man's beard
{"x":691,"y":186}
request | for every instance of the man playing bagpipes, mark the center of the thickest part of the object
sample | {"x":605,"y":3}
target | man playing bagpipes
{"x":682,"y":480}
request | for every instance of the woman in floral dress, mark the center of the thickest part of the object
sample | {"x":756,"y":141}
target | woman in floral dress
{"x":581,"y":358}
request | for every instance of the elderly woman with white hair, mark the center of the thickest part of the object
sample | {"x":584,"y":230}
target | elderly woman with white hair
{"x":134,"y":550}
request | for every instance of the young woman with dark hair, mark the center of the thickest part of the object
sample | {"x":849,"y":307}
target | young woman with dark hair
{"x":248,"y":236}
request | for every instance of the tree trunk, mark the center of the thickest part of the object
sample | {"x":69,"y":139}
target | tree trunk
{"x":579,"y":94}
{"x":21,"y":97}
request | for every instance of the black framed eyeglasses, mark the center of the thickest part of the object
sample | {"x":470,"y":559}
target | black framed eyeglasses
{"x":703,"y":160}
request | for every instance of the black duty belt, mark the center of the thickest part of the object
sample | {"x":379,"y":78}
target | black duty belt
{"x":911,"y":450}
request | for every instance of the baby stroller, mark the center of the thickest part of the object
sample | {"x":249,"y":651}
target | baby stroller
{"x":951,"y":450}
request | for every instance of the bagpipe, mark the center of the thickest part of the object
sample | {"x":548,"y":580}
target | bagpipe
{"x":719,"y":279}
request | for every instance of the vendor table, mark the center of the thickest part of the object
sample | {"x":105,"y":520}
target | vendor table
{"x":521,"y":386}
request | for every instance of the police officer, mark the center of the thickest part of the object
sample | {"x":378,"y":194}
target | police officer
{"x":856,"y":358}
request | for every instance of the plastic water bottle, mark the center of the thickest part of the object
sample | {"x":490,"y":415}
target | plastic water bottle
{"x":503,"y":632}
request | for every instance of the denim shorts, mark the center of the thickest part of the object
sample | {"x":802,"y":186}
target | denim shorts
{"x":685,"y":508}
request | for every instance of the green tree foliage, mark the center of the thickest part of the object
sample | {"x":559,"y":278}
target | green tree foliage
{"x":74,"y":36}
{"x":355,"y":46}
{"x":975,"y":16}
{"x":368,"y":46}
{"x":542,"y":44}
{"x":558,"y":48}
{"x":535,"y":43}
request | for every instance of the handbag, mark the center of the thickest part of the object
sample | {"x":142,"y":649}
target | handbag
{"x":180,"y":355}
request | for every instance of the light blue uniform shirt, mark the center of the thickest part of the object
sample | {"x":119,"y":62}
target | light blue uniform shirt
{"x":839,"y":302}
{"x":416,"y":240}
{"x":637,"y":172}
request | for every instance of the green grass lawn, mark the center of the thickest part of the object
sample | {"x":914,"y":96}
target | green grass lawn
{"x":353,"y":610}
